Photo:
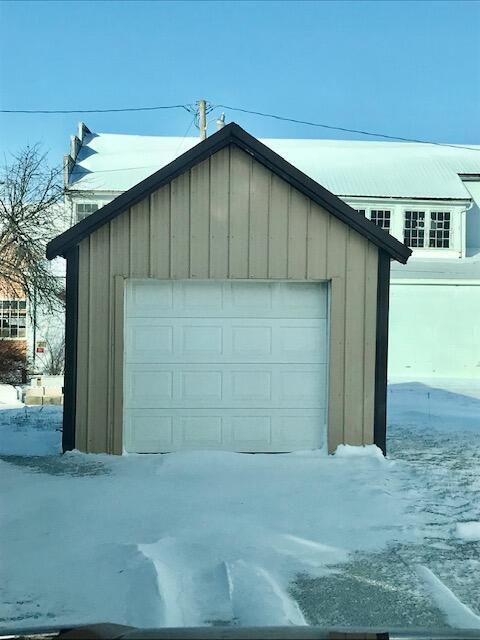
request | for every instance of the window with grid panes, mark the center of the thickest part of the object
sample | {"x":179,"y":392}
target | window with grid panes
{"x":414,"y":228}
{"x":360,"y":211}
{"x":381,"y":217}
{"x":84,"y":209}
{"x":439,"y":233}
{"x":13,"y":318}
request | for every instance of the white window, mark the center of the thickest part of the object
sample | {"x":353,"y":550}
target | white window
{"x":13,"y":318}
{"x":381,"y":217}
{"x":427,"y":230}
{"x":360,"y":211}
{"x":84,"y":209}
{"x":439,"y":233}
{"x":414,"y":228}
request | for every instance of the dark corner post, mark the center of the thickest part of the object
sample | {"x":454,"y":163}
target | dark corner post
{"x":70,"y":384}
{"x":381,"y":357}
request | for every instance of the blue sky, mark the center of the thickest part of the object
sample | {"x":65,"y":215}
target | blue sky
{"x":410,"y":68}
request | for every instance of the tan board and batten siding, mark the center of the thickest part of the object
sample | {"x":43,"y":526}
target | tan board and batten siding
{"x":228,"y":217}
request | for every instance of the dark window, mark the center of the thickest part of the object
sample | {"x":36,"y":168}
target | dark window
{"x":381,"y":217}
{"x":439,"y":236}
{"x":84,"y":209}
{"x":360,"y":211}
{"x":13,"y":318}
{"x":414,"y":229}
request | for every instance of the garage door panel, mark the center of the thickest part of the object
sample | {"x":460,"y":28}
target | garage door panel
{"x":206,"y":299}
{"x":239,"y":385}
{"x":188,"y":340}
{"x":201,"y":341}
{"x":150,"y":298}
{"x":201,"y":387}
{"x":150,"y":431}
{"x":229,"y":365}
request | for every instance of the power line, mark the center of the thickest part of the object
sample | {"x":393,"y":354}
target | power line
{"x":187,"y":107}
{"x":345,"y":129}
{"x":194,"y":109}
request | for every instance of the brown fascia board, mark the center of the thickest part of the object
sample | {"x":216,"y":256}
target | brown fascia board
{"x":231,"y":134}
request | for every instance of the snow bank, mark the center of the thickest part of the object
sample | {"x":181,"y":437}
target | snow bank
{"x":9,"y":396}
{"x":458,"y":614}
{"x":365,"y":451}
{"x":435,"y":404}
{"x":469,"y":531}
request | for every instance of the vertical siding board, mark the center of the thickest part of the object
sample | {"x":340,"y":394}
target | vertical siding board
{"x":317,"y":243}
{"x":200,"y":220}
{"x":297,"y":235}
{"x":278,"y":228}
{"x":99,"y":334}
{"x":354,"y":337}
{"x":119,"y":245}
{"x":180,"y":227}
{"x":160,"y":233}
{"x":370,"y":342}
{"x":337,"y":251}
{"x":258,"y":225}
{"x":219,"y":213}
{"x":140,"y":239}
{"x":81,"y":420}
{"x":117,"y":368}
{"x":240,"y":172}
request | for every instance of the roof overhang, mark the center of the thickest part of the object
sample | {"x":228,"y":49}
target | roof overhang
{"x":232,"y":134}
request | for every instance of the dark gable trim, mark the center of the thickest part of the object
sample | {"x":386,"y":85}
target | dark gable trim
{"x":381,"y":355}
{"x":231,"y":134}
{"x":71,"y":320}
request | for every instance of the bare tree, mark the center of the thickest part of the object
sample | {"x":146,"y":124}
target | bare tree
{"x":30,"y":216}
{"x":53,"y":360}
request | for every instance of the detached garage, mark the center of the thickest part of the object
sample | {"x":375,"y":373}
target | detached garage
{"x":228,"y":302}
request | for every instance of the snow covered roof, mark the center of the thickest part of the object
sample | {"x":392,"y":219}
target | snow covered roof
{"x":434,"y":269}
{"x":114,"y":162}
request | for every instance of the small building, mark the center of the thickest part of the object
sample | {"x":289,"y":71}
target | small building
{"x":227,"y":301}
{"x":425,"y":195}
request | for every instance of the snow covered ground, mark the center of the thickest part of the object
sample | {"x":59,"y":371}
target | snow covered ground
{"x":220,"y":538}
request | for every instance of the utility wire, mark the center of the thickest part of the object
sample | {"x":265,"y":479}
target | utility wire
{"x":193,"y":109}
{"x":187,"y":107}
{"x":331,"y":127}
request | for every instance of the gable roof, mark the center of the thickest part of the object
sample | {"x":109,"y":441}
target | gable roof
{"x":231,"y":134}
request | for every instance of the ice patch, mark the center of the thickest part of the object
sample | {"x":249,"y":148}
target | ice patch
{"x":469,"y":531}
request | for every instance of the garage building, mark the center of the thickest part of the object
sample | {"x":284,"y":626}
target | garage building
{"x":228,"y":301}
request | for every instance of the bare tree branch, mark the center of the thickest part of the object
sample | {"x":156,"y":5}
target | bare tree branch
{"x":31,"y":214}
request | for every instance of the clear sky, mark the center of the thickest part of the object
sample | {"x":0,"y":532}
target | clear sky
{"x":409,"y":68}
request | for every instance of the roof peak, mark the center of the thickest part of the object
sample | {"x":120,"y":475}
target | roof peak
{"x":232,"y":133}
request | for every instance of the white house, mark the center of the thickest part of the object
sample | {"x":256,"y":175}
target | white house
{"x":426,"y":195}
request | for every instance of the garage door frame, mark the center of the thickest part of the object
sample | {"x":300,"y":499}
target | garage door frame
{"x":119,"y":355}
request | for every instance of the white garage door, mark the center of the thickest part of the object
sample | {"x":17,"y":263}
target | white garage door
{"x":240,"y":366}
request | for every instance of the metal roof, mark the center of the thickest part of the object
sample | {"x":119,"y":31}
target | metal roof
{"x":114,"y":162}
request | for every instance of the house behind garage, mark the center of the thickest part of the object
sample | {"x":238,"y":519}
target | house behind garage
{"x":227,"y":301}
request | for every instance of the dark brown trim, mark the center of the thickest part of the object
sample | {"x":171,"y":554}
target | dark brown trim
{"x":381,"y":354}
{"x":71,"y":322}
{"x":231,"y":134}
